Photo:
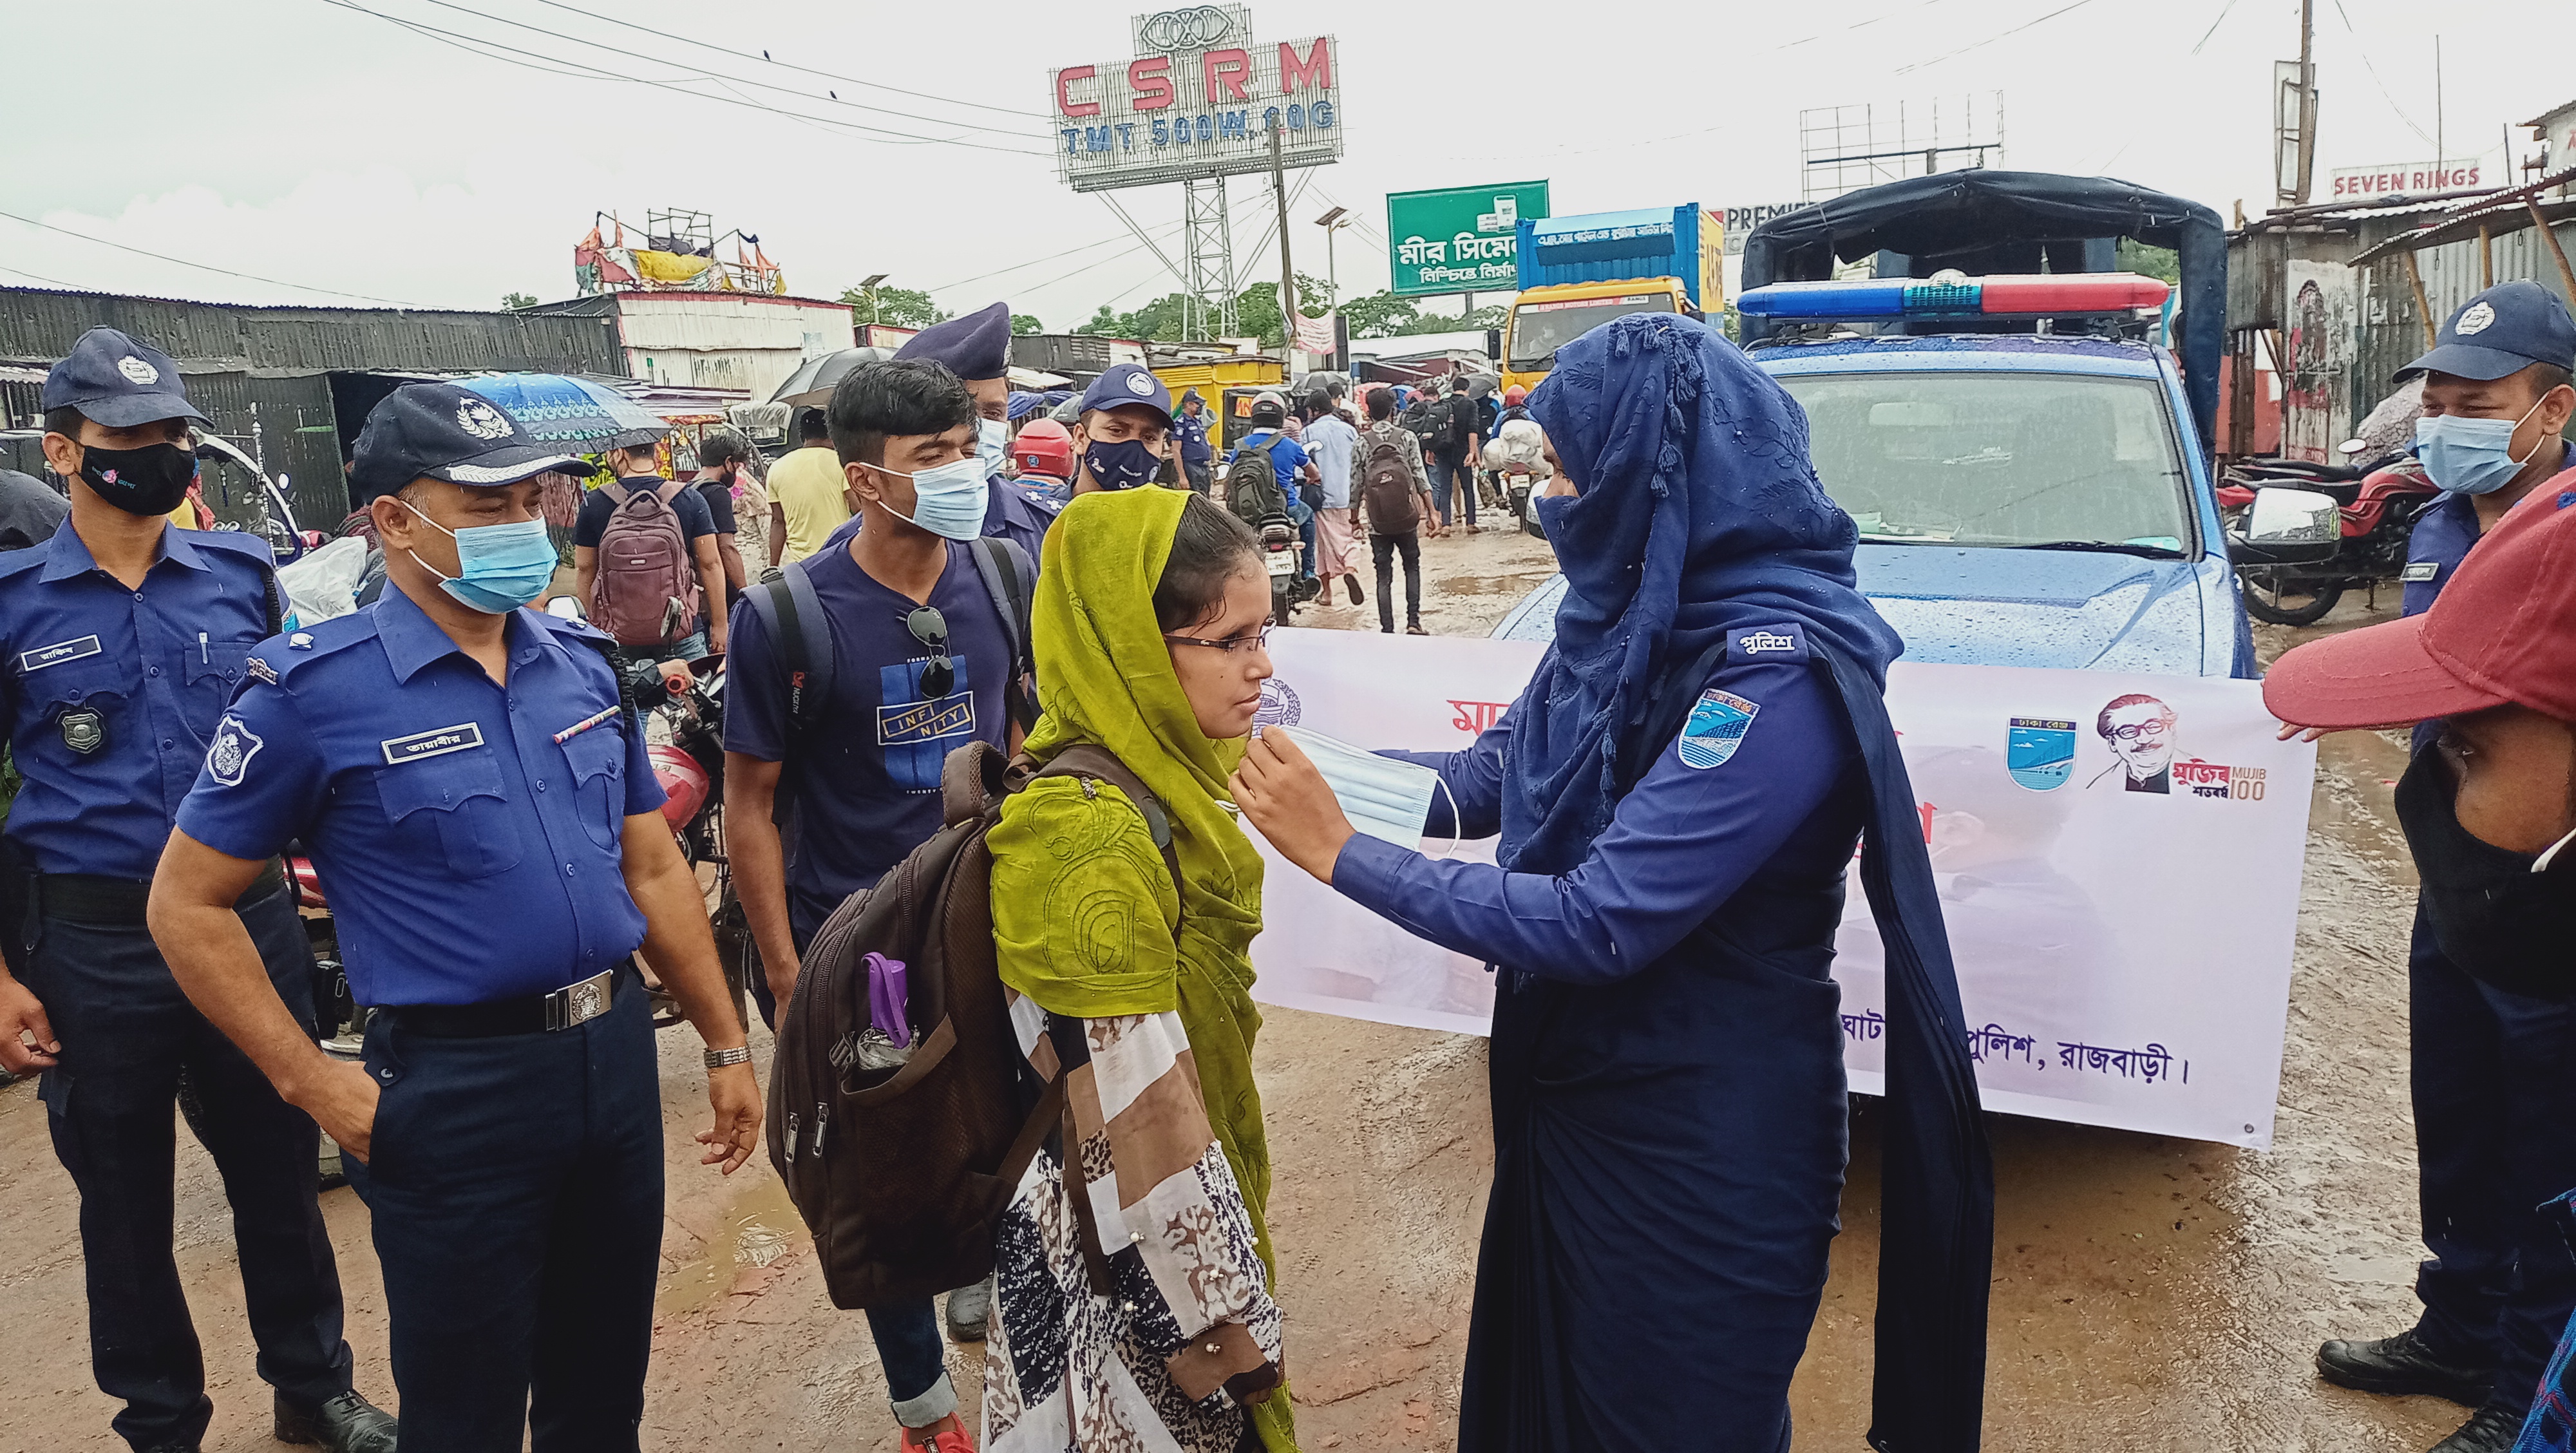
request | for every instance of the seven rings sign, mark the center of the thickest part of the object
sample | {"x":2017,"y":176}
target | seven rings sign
{"x":1199,"y":99}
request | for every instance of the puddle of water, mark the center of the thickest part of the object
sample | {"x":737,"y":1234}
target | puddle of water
{"x":1514,"y":586}
{"x":759,"y":1227}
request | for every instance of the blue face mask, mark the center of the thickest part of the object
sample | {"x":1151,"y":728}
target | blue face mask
{"x":992,"y":444}
{"x":1123,"y":464}
{"x":503,"y":566}
{"x":948,"y":500}
{"x":2470,"y":456}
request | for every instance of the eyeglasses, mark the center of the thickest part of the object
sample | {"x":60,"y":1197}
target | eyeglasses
{"x":1257,"y":641}
{"x":2136,"y":730}
{"x":930,"y":628}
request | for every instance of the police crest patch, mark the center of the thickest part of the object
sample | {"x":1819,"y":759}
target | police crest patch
{"x":1716,"y":728}
{"x":228,"y":757}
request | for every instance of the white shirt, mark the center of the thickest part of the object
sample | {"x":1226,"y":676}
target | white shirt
{"x":1333,"y":445}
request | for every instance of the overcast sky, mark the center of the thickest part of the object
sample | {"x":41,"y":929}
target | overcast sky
{"x":309,"y":143}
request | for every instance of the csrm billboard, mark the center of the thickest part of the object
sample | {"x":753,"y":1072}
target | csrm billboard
{"x":1458,"y":239}
{"x":1198,"y":99}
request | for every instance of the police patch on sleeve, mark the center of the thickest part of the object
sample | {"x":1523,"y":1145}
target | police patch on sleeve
{"x":228,"y":757}
{"x":1717,"y":724}
{"x":1781,"y":641}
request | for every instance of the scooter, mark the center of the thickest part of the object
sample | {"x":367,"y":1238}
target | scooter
{"x":1280,"y":553}
{"x":2378,"y":503}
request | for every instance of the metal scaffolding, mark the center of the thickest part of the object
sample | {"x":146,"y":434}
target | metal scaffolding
{"x":1845,"y":148}
{"x":1207,"y":248}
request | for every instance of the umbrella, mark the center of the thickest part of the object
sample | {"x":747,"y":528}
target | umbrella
{"x":562,"y":410}
{"x":814,"y":379}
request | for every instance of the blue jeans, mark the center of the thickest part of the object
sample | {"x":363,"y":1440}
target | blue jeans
{"x":1304,"y":514}
{"x":1445,"y":471}
{"x":2495,"y":1136}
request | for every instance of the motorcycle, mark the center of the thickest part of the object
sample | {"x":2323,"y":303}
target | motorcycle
{"x":1280,"y":552}
{"x":2377,"y":502}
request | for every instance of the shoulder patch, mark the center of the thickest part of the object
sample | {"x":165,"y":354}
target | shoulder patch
{"x":1715,"y":728}
{"x":228,"y":755}
{"x":1780,"y":641}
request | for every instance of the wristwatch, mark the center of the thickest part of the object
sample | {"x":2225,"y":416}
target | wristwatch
{"x":717,"y":1059}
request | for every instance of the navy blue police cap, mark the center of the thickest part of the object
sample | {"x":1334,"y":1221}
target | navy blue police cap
{"x":1128,"y":383}
{"x":975,"y":346}
{"x":118,"y":381}
{"x":2503,"y":330}
{"x":449,"y":433}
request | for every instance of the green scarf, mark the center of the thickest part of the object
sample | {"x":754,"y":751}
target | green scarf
{"x":1107,"y":680}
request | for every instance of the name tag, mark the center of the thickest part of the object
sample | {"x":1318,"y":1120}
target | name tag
{"x":2420,"y":570}
{"x":461,"y":737}
{"x":56,"y":654}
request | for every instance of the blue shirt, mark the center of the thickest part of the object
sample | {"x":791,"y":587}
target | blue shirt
{"x":869,"y":792}
{"x":1781,"y":810}
{"x":468,"y":854}
{"x":138,"y":677}
{"x":2441,"y":539}
{"x":1191,"y":434}
{"x":1288,"y":459}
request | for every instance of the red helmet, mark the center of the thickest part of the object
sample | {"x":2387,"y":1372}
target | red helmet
{"x":1514,"y":394}
{"x":1044,"y":447}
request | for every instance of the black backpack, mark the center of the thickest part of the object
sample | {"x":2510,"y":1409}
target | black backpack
{"x":1252,"y":485}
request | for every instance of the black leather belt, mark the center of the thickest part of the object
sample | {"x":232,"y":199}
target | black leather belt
{"x":94,"y":898}
{"x":573,"y":1004}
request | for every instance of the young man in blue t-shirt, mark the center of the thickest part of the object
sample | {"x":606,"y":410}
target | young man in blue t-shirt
{"x":1293,"y":465}
{"x":920,"y":660}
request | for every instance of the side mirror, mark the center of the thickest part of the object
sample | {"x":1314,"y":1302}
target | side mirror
{"x":2288,"y":527}
{"x":1494,"y":344}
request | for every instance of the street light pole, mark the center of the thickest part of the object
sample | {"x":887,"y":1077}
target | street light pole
{"x":875,"y":300}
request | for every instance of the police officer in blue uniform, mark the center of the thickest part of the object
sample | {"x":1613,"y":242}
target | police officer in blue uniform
{"x":2495,"y":1111}
{"x":479,"y":804}
{"x":123,"y":637}
{"x":1190,"y":442}
{"x":1122,"y":429}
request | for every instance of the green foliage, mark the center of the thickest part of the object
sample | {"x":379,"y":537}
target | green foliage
{"x":900,"y":307}
{"x":1023,"y":324}
{"x":2156,"y":262}
{"x":1163,"y":320}
{"x":516,"y":301}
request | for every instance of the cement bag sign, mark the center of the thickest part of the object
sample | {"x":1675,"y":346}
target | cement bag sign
{"x":2118,"y":859}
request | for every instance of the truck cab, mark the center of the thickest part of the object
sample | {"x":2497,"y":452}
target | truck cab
{"x":1579,"y":272}
{"x":1542,"y":320}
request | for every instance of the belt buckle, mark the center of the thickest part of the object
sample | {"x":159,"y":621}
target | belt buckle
{"x":579,"y":1003}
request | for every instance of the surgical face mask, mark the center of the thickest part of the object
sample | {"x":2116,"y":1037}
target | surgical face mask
{"x":948,"y":500}
{"x":2470,"y":456}
{"x":1381,"y":796}
{"x":992,"y":444}
{"x":1120,"y":464}
{"x":146,"y":481}
{"x":502,"y":567}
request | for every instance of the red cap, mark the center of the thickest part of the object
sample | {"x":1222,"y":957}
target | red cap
{"x":1046,"y":448}
{"x":2503,"y":630}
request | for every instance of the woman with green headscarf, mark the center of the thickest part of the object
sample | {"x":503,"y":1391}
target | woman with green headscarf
{"x":1133,"y":1298}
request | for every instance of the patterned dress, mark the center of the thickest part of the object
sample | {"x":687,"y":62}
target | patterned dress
{"x":1131,"y":1311}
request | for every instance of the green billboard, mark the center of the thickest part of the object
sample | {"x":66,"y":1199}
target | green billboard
{"x":1459,"y":239}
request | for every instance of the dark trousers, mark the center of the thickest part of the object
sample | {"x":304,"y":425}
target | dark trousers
{"x":1198,"y":474}
{"x":2495,"y":1137}
{"x":1444,"y":472}
{"x":1304,"y":514}
{"x":906,"y":1333}
{"x":128,"y":1035}
{"x":1385,"y":548}
{"x":516,"y":1185}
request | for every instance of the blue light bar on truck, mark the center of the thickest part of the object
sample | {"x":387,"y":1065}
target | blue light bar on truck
{"x":2027,"y":296}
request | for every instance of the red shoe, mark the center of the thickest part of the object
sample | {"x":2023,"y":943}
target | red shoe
{"x":949,"y":1438}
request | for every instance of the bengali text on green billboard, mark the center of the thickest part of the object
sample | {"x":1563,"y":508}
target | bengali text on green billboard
{"x":1459,"y":239}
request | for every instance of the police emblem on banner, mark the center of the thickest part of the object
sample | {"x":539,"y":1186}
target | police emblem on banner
{"x":1279,"y":705}
{"x":2040,"y":752}
{"x":1716,"y":728}
{"x":228,"y":756}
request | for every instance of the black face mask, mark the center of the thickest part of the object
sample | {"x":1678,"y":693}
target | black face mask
{"x":146,"y":481}
{"x":2493,"y":916}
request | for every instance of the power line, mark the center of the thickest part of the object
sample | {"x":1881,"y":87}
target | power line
{"x":595,"y":73}
{"x":765,"y":59}
{"x":1990,"y":40}
{"x":712,"y":76}
{"x":1164,"y":231}
{"x":2364,"y":53}
{"x":204,"y":267}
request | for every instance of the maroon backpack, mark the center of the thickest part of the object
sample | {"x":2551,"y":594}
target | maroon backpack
{"x":646,"y":592}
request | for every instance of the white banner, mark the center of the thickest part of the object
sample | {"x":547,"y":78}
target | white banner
{"x":2118,"y":858}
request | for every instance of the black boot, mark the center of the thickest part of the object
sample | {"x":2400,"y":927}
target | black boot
{"x":346,"y":1424}
{"x":2489,"y":1430}
{"x":2402,"y":1366}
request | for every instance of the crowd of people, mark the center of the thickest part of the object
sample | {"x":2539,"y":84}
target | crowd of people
{"x":470,"y":779}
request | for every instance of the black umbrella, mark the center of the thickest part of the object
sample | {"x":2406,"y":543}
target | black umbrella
{"x":814,"y":379}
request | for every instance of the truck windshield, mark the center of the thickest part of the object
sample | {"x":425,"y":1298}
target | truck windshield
{"x":1999,"y":458}
{"x":1539,"y":329}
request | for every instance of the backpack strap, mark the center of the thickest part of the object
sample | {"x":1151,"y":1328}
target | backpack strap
{"x":617,"y":493}
{"x":1085,"y":760}
{"x":668,"y":491}
{"x":792,"y":616}
{"x":1014,"y":590}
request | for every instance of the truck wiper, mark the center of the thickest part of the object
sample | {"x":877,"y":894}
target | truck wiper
{"x":2107,"y":547}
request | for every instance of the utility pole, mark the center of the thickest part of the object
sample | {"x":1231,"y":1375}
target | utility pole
{"x":2307,"y":98}
{"x":2442,"y":158}
{"x":1287,"y":273}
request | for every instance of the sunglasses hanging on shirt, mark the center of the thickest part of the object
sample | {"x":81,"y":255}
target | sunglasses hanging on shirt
{"x":930,"y":628}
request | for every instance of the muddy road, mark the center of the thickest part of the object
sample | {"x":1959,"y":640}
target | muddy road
{"x":2149,"y":1293}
